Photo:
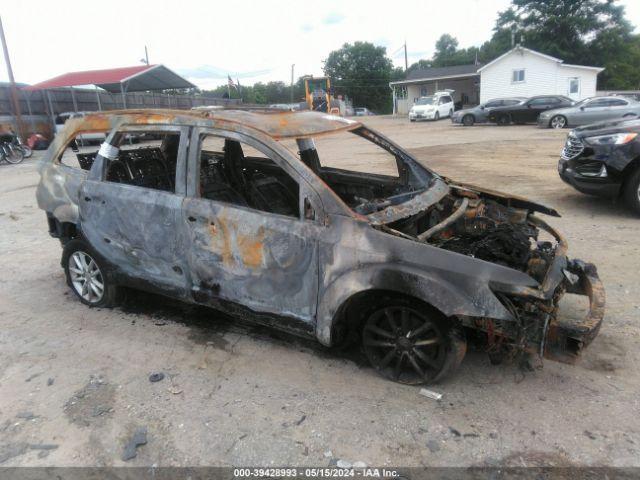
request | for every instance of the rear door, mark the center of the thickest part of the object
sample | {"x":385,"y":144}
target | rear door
{"x":536,"y":106}
{"x":618,"y":108}
{"x":445,"y":105}
{"x":131,"y":203}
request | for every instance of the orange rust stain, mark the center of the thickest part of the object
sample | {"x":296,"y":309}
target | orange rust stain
{"x":248,"y":249}
{"x":251,"y":248}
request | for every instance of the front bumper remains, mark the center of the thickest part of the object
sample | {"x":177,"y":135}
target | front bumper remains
{"x":562,"y":339}
{"x":565,"y":340}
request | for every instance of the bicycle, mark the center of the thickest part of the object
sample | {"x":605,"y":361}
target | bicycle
{"x":17,"y":142}
{"x":11,"y":153}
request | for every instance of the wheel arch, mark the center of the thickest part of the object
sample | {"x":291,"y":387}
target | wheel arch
{"x":425,"y":286}
{"x":627,"y":171}
{"x":566,"y":119}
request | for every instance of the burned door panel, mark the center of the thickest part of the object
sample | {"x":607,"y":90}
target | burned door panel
{"x":138,"y":231}
{"x":266,"y":262}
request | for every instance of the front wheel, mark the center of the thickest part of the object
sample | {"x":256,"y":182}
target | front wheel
{"x":631,"y":191}
{"x":86,"y":275}
{"x":558,"y":121}
{"x":437,"y":116}
{"x":411,"y":344}
{"x":468,"y":120}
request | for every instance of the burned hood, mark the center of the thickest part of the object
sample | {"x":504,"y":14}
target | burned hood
{"x":505,"y":198}
{"x":406,"y":206}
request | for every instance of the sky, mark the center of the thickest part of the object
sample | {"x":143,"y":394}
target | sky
{"x":249,"y":40}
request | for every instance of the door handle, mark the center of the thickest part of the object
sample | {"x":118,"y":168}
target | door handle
{"x":191,"y":219}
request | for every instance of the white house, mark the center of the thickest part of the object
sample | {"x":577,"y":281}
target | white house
{"x":521,"y":72}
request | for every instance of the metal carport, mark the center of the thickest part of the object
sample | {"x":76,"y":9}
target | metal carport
{"x":126,"y":79}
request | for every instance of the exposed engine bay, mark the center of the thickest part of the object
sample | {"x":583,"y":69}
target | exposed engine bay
{"x":465,"y":223}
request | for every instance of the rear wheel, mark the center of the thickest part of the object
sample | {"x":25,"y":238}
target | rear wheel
{"x":411,"y":344}
{"x":468,"y":120}
{"x":631,"y":191}
{"x":86,"y":275}
{"x":504,"y":120}
{"x":558,"y":121}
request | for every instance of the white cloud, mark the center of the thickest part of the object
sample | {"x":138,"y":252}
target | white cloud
{"x":255,"y":41}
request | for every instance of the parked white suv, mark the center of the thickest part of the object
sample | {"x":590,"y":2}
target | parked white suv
{"x":433,"y":107}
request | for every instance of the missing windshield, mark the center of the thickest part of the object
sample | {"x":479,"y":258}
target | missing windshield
{"x":348,"y":172}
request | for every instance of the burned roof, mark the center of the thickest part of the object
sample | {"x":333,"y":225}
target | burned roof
{"x":277,"y":125}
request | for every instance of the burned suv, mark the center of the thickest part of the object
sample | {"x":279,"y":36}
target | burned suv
{"x":268,"y":216}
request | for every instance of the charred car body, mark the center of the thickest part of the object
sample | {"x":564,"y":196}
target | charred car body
{"x":222,"y":212}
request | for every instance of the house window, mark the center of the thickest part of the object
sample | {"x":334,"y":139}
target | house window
{"x":574,"y":85}
{"x":517,"y":76}
{"x":423,"y":91}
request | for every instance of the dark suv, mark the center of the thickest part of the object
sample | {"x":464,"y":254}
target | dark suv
{"x":604,"y":159}
{"x":528,"y":110}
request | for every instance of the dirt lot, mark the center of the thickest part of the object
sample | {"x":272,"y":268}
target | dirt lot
{"x":74,"y":381}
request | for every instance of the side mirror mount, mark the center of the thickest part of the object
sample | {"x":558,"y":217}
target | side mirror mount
{"x":309,"y":211}
{"x":481,"y":107}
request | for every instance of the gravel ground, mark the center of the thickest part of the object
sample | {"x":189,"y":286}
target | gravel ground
{"x":74,"y":384}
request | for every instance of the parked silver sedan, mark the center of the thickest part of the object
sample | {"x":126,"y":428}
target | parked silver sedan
{"x":590,"y":110}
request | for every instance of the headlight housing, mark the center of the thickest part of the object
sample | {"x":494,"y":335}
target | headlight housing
{"x":612,"y":139}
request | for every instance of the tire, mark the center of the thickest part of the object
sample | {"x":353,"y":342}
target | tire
{"x":85,"y":271}
{"x":468,"y":120}
{"x":412,"y":120}
{"x":390,"y":335}
{"x":27,"y":151}
{"x":558,"y":121}
{"x":631,"y":191}
{"x":13,"y":154}
{"x":436,"y":117}
{"x":450,"y":113}
{"x":503,"y":120}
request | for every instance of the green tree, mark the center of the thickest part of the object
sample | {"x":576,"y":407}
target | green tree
{"x":362,"y":72}
{"x":446,"y":49}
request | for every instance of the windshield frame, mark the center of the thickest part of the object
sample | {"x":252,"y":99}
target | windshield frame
{"x":424,"y":186}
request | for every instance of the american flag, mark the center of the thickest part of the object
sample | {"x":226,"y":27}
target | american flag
{"x":230,"y":82}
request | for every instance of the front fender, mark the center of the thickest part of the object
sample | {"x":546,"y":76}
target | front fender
{"x":451,"y":293}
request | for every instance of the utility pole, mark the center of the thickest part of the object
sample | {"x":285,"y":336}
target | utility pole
{"x":146,"y":55}
{"x":291,"y":97}
{"x":12,"y":82}
{"x":406,"y":62}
